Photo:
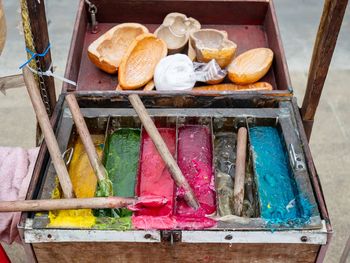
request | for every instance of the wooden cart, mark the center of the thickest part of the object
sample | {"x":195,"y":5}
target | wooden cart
{"x":250,"y":24}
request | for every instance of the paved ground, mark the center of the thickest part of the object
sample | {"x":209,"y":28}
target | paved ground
{"x":298,"y":22}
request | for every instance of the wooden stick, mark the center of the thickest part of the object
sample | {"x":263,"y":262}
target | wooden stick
{"x":86,"y":138}
{"x":163,"y":150}
{"x":49,"y":135}
{"x":36,"y":36}
{"x":238,"y":190}
{"x":330,"y":24}
{"x":64,"y":204}
{"x":11,"y":82}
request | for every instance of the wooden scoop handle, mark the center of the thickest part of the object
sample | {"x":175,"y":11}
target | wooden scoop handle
{"x":49,"y":135}
{"x":163,"y":150}
{"x":86,"y":137}
{"x":238,"y":189}
{"x":64,"y":204}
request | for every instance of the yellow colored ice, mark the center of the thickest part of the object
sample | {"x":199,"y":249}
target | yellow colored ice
{"x":84,"y":184}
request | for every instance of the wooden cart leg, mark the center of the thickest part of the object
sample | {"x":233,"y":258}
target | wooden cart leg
{"x":331,"y":20}
{"x":36,"y":38}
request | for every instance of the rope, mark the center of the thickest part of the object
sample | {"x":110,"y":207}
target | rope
{"x":34,"y":55}
{"x":28,"y":36}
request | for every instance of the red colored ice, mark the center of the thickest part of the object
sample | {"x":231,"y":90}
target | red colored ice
{"x":195,"y":161}
{"x":155,"y":180}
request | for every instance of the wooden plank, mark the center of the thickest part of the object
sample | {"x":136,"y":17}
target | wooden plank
{"x":75,"y":51}
{"x":280,"y":67}
{"x":38,"y":24}
{"x":241,"y":12}
{"x":39,"y":236}
{"x":176,"y":252}
{"x":331,"y":20}
{"x":11,"y":82}
{"x":35,"y":181}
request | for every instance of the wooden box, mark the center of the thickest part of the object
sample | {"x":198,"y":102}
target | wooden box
{"x":244,"y":243}
{"x":250,"y":24}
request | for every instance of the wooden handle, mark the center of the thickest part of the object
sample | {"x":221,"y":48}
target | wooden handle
{"x":163,"y":150}
{"x":86,"y":138}
{"x":238,"y":189}
{"x":49,"y":135}
{"x":64,"y":204}
{"x":326,"y":40}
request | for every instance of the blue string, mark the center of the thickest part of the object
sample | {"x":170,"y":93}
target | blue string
{"x":34,"y":55}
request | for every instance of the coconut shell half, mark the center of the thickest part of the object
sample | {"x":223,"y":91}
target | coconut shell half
{"x":258,"y":86}
{"x":250,"y":66}
{"x":107,"y":51}
{"x":211,"y":44}
{"x":140,"y":60}
{"x":175,"y":31}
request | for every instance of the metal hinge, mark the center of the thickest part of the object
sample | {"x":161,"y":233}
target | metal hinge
{"x":171,"y":236}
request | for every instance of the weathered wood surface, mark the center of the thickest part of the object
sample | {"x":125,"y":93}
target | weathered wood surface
{"x":43,"y":158}
{"x":38,"y":24}
{"x":176,"y":252}
{"x":11,"y":82}
{"x":331,"y":20}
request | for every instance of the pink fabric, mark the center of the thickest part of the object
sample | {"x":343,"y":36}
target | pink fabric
{"x":16,"y":168}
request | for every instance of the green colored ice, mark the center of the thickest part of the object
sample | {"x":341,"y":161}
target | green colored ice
{"x":121,"y":162}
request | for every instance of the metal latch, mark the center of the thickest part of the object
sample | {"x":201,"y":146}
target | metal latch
{"x":93,"y":11}
{"x":296,"y":159}
{"x":171,"y":236}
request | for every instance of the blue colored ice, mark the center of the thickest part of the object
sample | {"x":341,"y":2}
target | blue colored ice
{"x":280,"y":202}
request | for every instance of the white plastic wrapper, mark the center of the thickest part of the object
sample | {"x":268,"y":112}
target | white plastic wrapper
{"x":209,"y":72}
{"x":174,"y":72}
{"x":178,"y":72}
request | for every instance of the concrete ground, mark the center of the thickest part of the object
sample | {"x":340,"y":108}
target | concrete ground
{"x":298,"y":21}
